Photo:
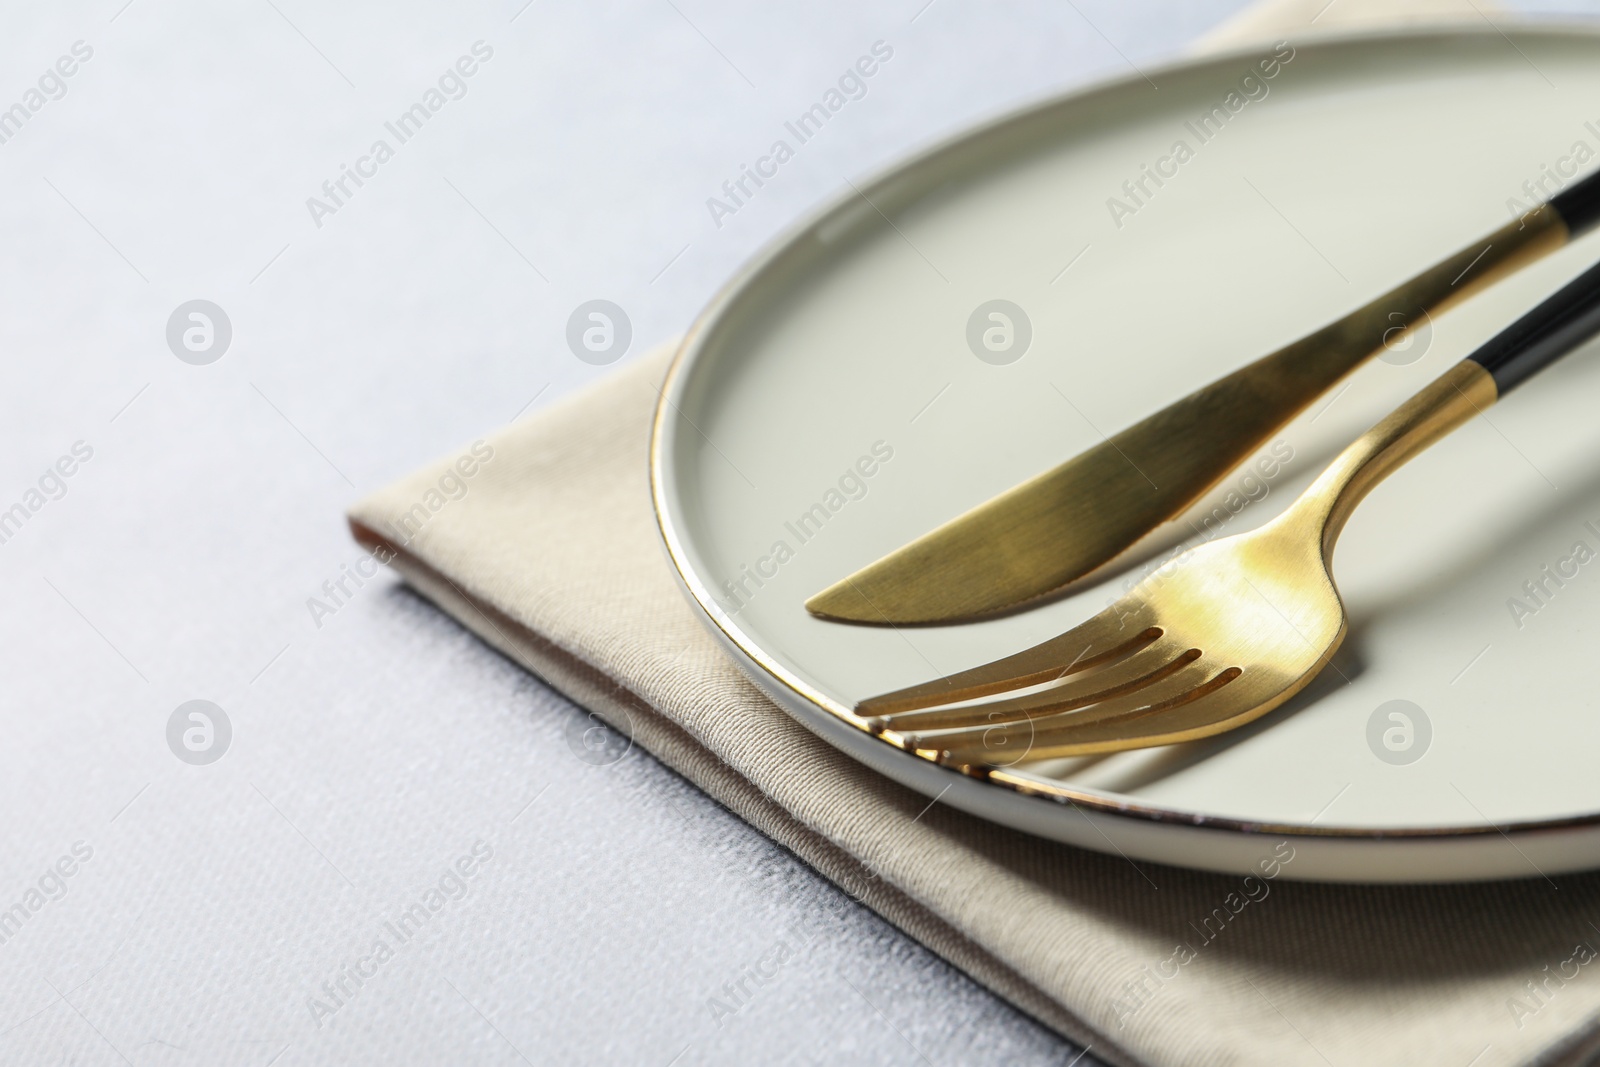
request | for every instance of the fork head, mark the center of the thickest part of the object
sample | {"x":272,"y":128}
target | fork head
{"x":1218,"y":636}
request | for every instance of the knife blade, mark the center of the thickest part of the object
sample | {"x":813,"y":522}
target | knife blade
{"x":1046,"y":533}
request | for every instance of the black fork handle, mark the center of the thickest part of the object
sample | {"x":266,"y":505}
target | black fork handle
{"x":1562,"y":323}
{"x":1579,"y":206}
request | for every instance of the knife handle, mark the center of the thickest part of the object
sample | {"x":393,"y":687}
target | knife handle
{"x":1191,"y":445}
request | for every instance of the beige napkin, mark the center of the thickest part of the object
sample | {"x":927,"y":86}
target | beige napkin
{"x":541,"y":540}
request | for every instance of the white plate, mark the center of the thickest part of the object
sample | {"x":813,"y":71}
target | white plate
{"x":1367,"y":159}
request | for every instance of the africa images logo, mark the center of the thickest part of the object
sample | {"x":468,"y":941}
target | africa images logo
{"x":451,"y":85}
{"x":851,"y":85}
{"x":1251,"y":88}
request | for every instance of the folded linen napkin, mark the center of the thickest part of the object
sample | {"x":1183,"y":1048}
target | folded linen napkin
{"x":551,"y":555}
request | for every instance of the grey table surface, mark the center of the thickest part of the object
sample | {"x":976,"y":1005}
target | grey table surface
{"x":155,"y":909}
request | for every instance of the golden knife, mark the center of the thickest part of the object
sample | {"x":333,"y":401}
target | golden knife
{"x":1037,"y":537}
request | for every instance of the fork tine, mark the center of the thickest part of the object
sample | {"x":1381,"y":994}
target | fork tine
{"x":1121,"y":629}
{"x":1231,"y":699}
{"x":1104,"y":727}
{"x":1143,"y":667}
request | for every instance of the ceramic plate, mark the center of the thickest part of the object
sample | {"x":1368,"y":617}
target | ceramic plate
{"x":837,"y":400}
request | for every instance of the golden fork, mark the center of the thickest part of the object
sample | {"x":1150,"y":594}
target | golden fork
{"x":1229,"y":630}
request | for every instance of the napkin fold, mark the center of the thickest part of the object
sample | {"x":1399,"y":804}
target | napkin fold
{"x":541,"y":539}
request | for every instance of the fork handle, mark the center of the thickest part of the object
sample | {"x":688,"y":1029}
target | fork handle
{"x":1579,"y":205}
{"x":1563,"y":322}
{"x":1545,"y":334}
